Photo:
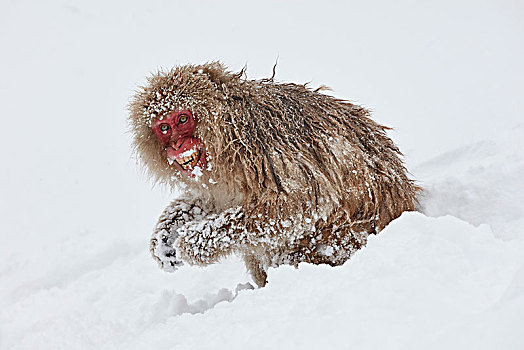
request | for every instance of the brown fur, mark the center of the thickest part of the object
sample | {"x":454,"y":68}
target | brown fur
{"x":284,"y":154}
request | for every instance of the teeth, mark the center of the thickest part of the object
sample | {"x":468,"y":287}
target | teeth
{"x":190,"y":161}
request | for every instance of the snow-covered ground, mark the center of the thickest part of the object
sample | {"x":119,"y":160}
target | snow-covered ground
{"x":76,"y":214}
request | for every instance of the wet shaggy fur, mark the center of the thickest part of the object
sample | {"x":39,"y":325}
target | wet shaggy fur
{"x":293,"y":175}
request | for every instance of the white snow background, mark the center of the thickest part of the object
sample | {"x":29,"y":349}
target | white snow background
{"x":76,"y":213}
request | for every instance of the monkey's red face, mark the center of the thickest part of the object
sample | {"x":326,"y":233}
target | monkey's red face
{"x":183,"y":149}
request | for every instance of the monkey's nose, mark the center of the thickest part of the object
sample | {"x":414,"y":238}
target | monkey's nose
{"x":178,"y":143}
{"x":175,"y":141}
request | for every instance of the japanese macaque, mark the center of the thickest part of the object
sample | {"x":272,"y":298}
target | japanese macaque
{"x":274,"y":172}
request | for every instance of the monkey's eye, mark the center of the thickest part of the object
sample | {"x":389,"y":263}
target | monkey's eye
{"x":164,"y":128}
{"x":182,"y":119}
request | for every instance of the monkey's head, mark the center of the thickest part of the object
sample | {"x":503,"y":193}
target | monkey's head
{"x":179,"y":121}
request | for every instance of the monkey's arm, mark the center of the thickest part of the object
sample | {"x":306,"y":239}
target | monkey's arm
{"x":178,"y":213}
{"x":218,"y":235}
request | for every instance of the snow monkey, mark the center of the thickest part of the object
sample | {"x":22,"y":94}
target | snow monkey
{"x":277,"y":173}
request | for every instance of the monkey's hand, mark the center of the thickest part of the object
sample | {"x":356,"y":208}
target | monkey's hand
{"x":178,"y":213}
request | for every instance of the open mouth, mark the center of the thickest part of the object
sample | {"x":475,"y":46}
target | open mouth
{"x":188,"y":162}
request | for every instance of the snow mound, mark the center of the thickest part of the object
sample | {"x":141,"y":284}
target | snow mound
{"x":422,"y":281}
{"x":480,"y":183}
{"x":172,"y":304}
